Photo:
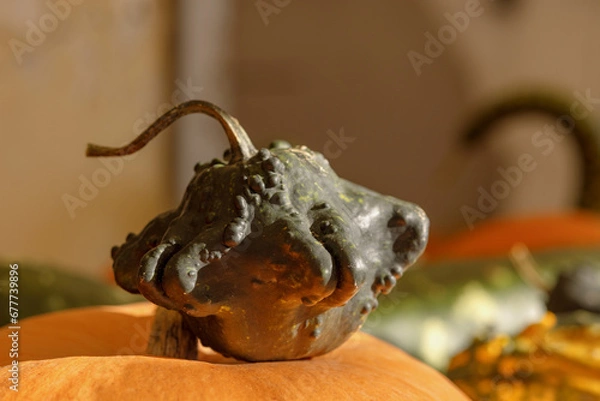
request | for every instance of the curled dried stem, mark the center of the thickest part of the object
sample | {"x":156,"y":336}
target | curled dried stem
{"x":241,"y":146}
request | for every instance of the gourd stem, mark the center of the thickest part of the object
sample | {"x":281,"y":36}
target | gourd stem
{"x":527,"y":268}
{"x":170,"y":336}
{"x":241,"y":146}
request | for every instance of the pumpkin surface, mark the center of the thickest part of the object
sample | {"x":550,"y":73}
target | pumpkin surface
{"x":96,"y":354}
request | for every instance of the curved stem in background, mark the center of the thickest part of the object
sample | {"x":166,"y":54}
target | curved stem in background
{"x":527,"y":268}
{"x":586,"y":135}
{"x":241,"y":146}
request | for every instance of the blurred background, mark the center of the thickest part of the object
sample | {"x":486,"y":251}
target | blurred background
{"x":384,"y":89}
{"x":310,"y":72}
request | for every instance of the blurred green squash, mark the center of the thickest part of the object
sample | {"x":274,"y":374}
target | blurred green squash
{"x":43,"y":289}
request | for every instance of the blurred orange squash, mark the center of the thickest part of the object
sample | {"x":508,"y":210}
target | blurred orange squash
{"x":496,"y":237}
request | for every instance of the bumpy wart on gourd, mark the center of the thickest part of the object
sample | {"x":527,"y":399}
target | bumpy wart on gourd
{"x":270,"y":255}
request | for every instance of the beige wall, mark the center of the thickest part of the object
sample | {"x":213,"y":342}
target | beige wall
{"x":316,"y":68}
{"x":104,"y":66}
{"x":306,"y":68}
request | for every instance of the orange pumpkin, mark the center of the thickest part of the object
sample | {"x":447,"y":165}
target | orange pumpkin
{"x":97,"y":354}
{"x":496,"y":237}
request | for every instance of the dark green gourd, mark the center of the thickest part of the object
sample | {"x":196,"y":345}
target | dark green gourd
{"x":270,"y":255}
